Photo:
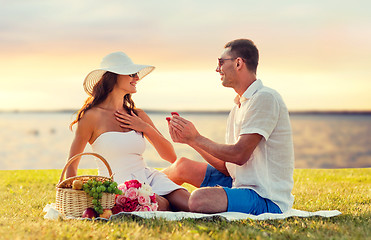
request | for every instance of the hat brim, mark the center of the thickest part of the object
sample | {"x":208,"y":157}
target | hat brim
{"x":94,"y":76}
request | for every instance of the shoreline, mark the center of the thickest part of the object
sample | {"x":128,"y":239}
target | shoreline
{"x":200,"y":112}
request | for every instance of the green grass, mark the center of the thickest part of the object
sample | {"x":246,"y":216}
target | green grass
{"x":24,"y":193}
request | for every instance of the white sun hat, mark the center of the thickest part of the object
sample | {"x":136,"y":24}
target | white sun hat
{"x":119,"y":63}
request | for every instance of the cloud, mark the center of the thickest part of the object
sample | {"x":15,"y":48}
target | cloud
{"x":63,"y":40}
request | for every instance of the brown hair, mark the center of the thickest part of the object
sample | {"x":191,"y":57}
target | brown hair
{"x":246,"y":49}
{"x":100,"y":92}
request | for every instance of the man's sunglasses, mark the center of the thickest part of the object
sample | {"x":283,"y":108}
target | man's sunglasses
{"x":222,"y":60}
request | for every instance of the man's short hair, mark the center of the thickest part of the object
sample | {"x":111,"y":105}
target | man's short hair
{"x":246,"y":49}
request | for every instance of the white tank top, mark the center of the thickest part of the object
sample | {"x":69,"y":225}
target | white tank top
{"x":123,"y":151}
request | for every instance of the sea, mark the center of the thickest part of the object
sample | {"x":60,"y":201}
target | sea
{"x":41,"y":140}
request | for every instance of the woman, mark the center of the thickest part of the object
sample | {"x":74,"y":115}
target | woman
{"x":115,"y":128}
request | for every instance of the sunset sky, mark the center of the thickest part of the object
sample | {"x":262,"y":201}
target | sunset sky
{"x":317,"y":53}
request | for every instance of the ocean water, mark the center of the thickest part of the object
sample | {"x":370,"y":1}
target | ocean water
{"x":42,"y":140}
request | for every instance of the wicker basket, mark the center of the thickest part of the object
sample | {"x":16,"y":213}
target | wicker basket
{"x":72,"y":202}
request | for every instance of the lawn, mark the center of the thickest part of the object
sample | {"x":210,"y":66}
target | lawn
{"x":24,"y":193}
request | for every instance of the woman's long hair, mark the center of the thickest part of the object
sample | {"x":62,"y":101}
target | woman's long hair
{"x":100,"y":92}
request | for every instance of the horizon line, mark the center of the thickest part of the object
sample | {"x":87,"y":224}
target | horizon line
{"x":158,"y":111}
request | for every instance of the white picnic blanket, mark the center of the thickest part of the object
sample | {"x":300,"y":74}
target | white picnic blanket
{"x":52,"y":213}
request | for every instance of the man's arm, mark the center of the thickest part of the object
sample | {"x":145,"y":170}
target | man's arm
{"x":238,"y":153}
{"x":183,"y":131}
{"x":213,"y":161}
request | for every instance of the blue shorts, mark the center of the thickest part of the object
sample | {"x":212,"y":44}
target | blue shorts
{"x":215,"y":178}
{"x":239,"y":199}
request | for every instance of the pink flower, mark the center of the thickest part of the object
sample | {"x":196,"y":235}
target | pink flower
{"x":120,"y":200}
{"x":131,"y":193}
{"x":153,"y":198}
{"x":130,"y":205}
{"x":122,"y":187}
{"x":154,"y":206}
{"x":136,"y":197}
{"x":144,"y":200}
{"x":133,"y":184}
{"x":143,"y":208}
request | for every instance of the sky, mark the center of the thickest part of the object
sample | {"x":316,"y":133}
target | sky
{"x":316,"y":54}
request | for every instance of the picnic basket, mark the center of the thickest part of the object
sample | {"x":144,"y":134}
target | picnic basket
{"x":72,"y":203}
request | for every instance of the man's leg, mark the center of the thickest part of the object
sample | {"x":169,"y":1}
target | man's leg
{"x":185,"y":170}
{"x":208,"y":200}
{"x":218,"y":199}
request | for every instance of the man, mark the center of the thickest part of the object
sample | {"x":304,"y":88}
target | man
{"x":253,"y":171}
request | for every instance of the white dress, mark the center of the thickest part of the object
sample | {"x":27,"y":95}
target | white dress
{"x":123,"y":151}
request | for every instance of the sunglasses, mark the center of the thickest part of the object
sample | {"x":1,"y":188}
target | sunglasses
{"x":222,"y":60}
{"x":134,"y":75}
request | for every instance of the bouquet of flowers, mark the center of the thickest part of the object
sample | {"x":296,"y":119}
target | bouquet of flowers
{"x":135,"y":196}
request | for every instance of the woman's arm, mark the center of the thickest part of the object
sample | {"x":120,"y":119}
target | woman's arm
{"x":82,"y":136}
{"x":143,"y":123}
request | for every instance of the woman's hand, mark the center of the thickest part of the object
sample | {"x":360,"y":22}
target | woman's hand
{"x":142,"y":123}
{"x":131,"y":121}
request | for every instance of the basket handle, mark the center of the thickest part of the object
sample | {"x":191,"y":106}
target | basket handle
{"x":74,"y":158}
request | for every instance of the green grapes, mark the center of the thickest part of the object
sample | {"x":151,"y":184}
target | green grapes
{"x":95,"y":189}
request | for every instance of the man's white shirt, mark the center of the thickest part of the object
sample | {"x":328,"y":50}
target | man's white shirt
{"x":269,"y":170}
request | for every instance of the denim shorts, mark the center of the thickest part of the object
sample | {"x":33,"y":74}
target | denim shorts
{"x":243,"y":200}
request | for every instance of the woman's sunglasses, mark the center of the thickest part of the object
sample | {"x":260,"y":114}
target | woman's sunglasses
{"x":134,"y":75}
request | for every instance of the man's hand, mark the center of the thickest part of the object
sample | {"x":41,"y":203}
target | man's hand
{"x":182,"y":130}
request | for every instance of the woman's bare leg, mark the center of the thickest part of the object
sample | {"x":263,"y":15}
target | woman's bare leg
{"x":178,"y":200}
{"x":163,"y":203}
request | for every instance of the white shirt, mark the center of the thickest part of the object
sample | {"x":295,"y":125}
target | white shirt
{"x":269,"y":170}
